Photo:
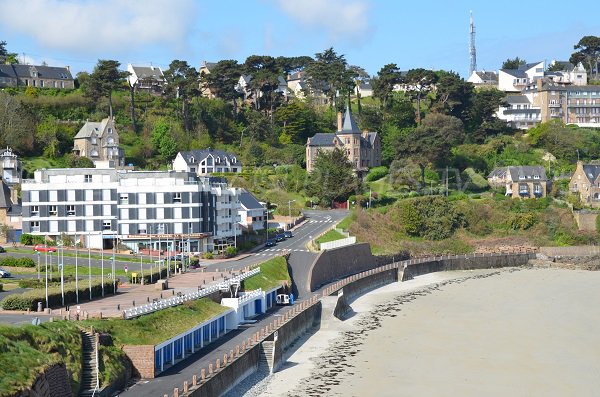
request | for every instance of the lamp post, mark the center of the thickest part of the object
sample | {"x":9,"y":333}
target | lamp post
{"x":46,"y":260}
{"x":290,"y":210}
{"x":76,"y":276}
{"x":89,"y":265}
{"x":102,"y":258}
{"x":38,"y":267}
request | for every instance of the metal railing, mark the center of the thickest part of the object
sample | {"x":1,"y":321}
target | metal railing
{"x":178,"y":300}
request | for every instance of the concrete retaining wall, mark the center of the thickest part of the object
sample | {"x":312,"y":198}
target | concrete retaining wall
{"x":586,"y":220}
{"x":142,"y":358}
{"x":337,"y":243}
{"x":338,"y":263}
{"x":360,"y":287}
{"x":582,"y":250}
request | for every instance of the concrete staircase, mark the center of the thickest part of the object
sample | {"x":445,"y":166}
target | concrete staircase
{"x":265,"y":362}
{"x":89,"y":374}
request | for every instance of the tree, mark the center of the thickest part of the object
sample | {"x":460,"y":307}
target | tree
{"x":6,"y":57}
{"x":359,"y":76}
{"x":482,"y":113}
{"x":383,"y":85}
{"x":105,"y":79}
{"x":453,"y":95}
{"x":162,"y":139}
{"x":420,"y":82}
{"x":291,"y":65}
{"x":327,"y":74}
{"x":182,"y":83}
{"x":17,"y":128}
{"x":222,"y":80}
{"x":264,"y":74}
{"x":298,"y":120}
{"x":431,"y":142}
{"x":513,"y":63}
{"x":332,"y":178}
{"x":588,"y":54}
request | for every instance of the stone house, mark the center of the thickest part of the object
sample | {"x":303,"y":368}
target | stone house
{"x":586,"y":182}
{"x":146,"y":78}
{"x":99,"y":141}
{"x":363,"y":149}
{"x":36,"y":76}
{"x":521,"y":181}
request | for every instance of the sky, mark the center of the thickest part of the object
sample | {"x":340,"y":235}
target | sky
{"x":431,"y":34}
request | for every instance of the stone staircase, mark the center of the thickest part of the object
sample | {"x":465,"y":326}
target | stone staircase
{"x":88,"y":365}
{"x":265,"y":362}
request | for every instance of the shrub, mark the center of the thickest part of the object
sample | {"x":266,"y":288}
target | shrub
{"x":434,"y":218}
{"x":156,"y":275}
{"x":476,"y":182}
{"x":17,"y":262}
{"x":30,"y":239}
{"x":1,"y":287}
{"x":377,"y":173}
{"x":207,"y":255}
{"x":521,"y":221}
{"x":30,"y":299}
{"x":230,"y":252}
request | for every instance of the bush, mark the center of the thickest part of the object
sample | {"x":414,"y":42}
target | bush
{"x":30,"y":239}
{"x":434,"y":218}
{"x":35,"y":283}
{"x":30,"y":299}
{"x":476,"y":182}
{"x":1,"y":287}
{"x":17,"y":262}
{"x":377,"y":173}
{"x":521,"y":221}
{"x":156,"y":275}
{"x":230,"y":252}
{"x":207,"y":255}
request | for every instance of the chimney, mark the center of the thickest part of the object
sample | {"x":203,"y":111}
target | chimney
{"x":68,"y":68}
{"x":340,"y":119}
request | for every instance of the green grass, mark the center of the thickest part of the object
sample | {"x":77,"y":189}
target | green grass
{"x":155,"y":328}
{"x":331,"y":235}
{"x":112,"y":364}
{"x":272,"y":274}
{"x":346,"y":222}
{"x":69,"y":270}
{"x":26,"y":351}
{"x":83,"y":255}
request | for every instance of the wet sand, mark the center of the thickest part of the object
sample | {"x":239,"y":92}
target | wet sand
{"x":513,"y":332}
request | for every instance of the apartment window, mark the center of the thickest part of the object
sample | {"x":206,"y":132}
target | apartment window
{"x":53,"y":226}
{"x":124,"y":213}
{"x":160,"y":213}
{"x":62,"y":84}
{"x":87,"y":178}
{"x":178,"y":228}
{"x":177,"y":213}
{"x":141,"y":198}
{"x":106,"y":225}
{"x":89,"y":195}
{"x":106,"y":210}
{"x":123,"y":198}
{"x":71,"y":226}
{"x":52,"y":195}
{"x":160,"y":198}
{"x":34,"y":196}
{"x":89,"y":226}
{"x":106,"y":195}
{"x":70,"y":210}
{"x":192,"y":169}
{"x":142,"y":213}
{"x":125,"y":228}
{"x":35,"y":226}
{"x":177,"y":197}
{"x":89,"y":210}
{"x":35,"y":210}
{"x":52,"y":210}
{"x":70,"y":195}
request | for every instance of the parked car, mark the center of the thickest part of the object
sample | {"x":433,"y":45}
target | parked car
{"x":43,"y":248}
{"x":4,"y":273}
{"x":282,"y":300}
{"x":280,"y":237}
{"x":2,"y":250}
{"x":288,"y":234}
{"x":271,"y":243}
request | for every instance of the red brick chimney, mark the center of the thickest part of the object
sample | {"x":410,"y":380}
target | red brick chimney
{"x":340,"y":122}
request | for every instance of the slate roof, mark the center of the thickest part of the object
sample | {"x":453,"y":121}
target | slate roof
{"x":249,"y":202}
{"x":7,"y":71}
{"x":487,"y":76}
{"x":323,"y":139}
{"x":44,"y":72}
{"x":208,"y":65}
{"x":528,"y":172}
{"x":591,"y":171}
{"x":148,"y":72}
{"x":91,"y":127}
{"x":564,"y":65}
{"x":349,"y":125}
{"x":514,"y":99}
{"x":5,"y":201}
{"x":519,"y":73}
{"x":527,"y":66}
{"x":201,"y":154}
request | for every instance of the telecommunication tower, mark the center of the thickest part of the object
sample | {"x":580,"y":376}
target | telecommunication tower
{"x":472,"y":51}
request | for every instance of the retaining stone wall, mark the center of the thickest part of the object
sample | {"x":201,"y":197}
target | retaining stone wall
{"x":53,"y":382}
{"x":361,"y":287}
{"x":582,"y":250}
{"x":338,"y":263}
{"x":142,"y":358}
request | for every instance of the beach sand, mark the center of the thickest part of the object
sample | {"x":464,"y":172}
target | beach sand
{"x":509,"y":332}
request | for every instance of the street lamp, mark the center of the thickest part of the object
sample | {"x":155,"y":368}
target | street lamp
{"x":290,"y":210}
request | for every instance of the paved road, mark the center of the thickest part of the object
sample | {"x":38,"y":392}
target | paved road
{"x":22,"y":319}
{"x":318,"y":222}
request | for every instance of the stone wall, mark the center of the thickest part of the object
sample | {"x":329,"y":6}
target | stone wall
{"x":586,"y":220}
{"x":142,"y":358}
{"x":582,"y":250}
{"x":53,"y":382}
{"x":360,"y":287}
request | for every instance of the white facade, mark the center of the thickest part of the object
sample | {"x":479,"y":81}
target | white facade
{"x":520,"y":112}
{"x":206,"y":162}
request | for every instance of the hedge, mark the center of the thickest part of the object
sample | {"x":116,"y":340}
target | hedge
{"x":1,"y":287}
{"x":41,"y":283}
{"x":30,"y":239}
{"x":17,"y":262}
{"x":30,"y":299}
{"x":156,"y":275}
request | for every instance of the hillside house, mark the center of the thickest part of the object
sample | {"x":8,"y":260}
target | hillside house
{"x":586,"y":183}
{"x":146,"y":78}
{"x":521,"y":181}
{"x":207,"y":161}
{"x":99,"y":141}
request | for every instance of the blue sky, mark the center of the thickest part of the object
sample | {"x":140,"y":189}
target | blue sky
{"x":370,"y":33}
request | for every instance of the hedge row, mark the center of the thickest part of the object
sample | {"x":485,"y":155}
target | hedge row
{"x":1,"y":287}
{"x":30,"y":239}
{"x":41,"y":283}
{"x":17,"y":262}
{"x":30,"y":299}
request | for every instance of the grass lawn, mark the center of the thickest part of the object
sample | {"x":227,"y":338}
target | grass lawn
{"x":82,"y":255}
{"x":346,"y":222}
{"x":272,"y":273}
{"x":69,"y":270}
{"x":154,"y":328}
{"x":26,"y":351}
{"x":331,"y":235}
{"x":9,"y":286}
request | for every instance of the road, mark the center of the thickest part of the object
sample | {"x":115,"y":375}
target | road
{"x":317,"y":222}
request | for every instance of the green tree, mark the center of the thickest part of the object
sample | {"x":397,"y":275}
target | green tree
{"x":7,"y":57}
{"x":264,"y":73}
{"x":513,"y":63}
{"x":162,"y":139}
{"x":47,"y":135}
{"x":327,"y":74}
{"x":291,"y":65}
{"x":434,"y":218}
{"x":359,"y":76}
{"x":420,"y":82}
{"x":453,"y":95}
{"x":588,"y":54}
{"x":17,"y":128}
{"x":481,"y":118}
{"x":182,"y":83}
{"x":298,"y":120}
{"x":105,"y":79}
{"x":222,"y":80}
{"x":431,"y":142}
{"x":383,"y":85}
{"x":332,"y":178}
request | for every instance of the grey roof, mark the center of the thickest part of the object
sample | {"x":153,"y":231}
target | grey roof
{"x":45,"y":72}
{"x":323,"y":139}
{"x":515,"y":72}
{"x":248,"y":201}
{"x":89,"y":128}
{"x":208,"y":65}
{"x":527,"y":172}
{"x":499,"y":172}
{"x":371,"y":138}
{"x":365,"y":85}
{"x":7,"y":71}
{"x":349,"y":125}
{"x":5,"y":201}
{"x":201,"y":154}
{"x":527,"y":66}
{"x":148,"y":72}
{"x":517,"y":99}
{"x":487,"y":76}
{"x":564,"y":65}
{"x":591,"y":171}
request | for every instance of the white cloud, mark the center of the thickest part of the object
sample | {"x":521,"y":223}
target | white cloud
{"x":340,"y":20}
{"x":93,"y":26}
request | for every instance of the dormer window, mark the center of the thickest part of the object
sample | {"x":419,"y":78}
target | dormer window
{"x":192,"y":159}
{"x":536,"y":177}
{"x":234,"y":160}
{"x":93,"y":140}
{"x":110,"y":130}
{"x":521,"y":177}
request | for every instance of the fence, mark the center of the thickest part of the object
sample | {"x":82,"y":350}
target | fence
{"x":338,"y":243}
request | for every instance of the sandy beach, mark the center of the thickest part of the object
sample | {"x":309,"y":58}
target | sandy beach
{"x":509,"y":332}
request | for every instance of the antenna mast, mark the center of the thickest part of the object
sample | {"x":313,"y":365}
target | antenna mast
{"x":472,"y":51}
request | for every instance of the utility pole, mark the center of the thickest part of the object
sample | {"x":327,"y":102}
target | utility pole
{"x":446,"y":181}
